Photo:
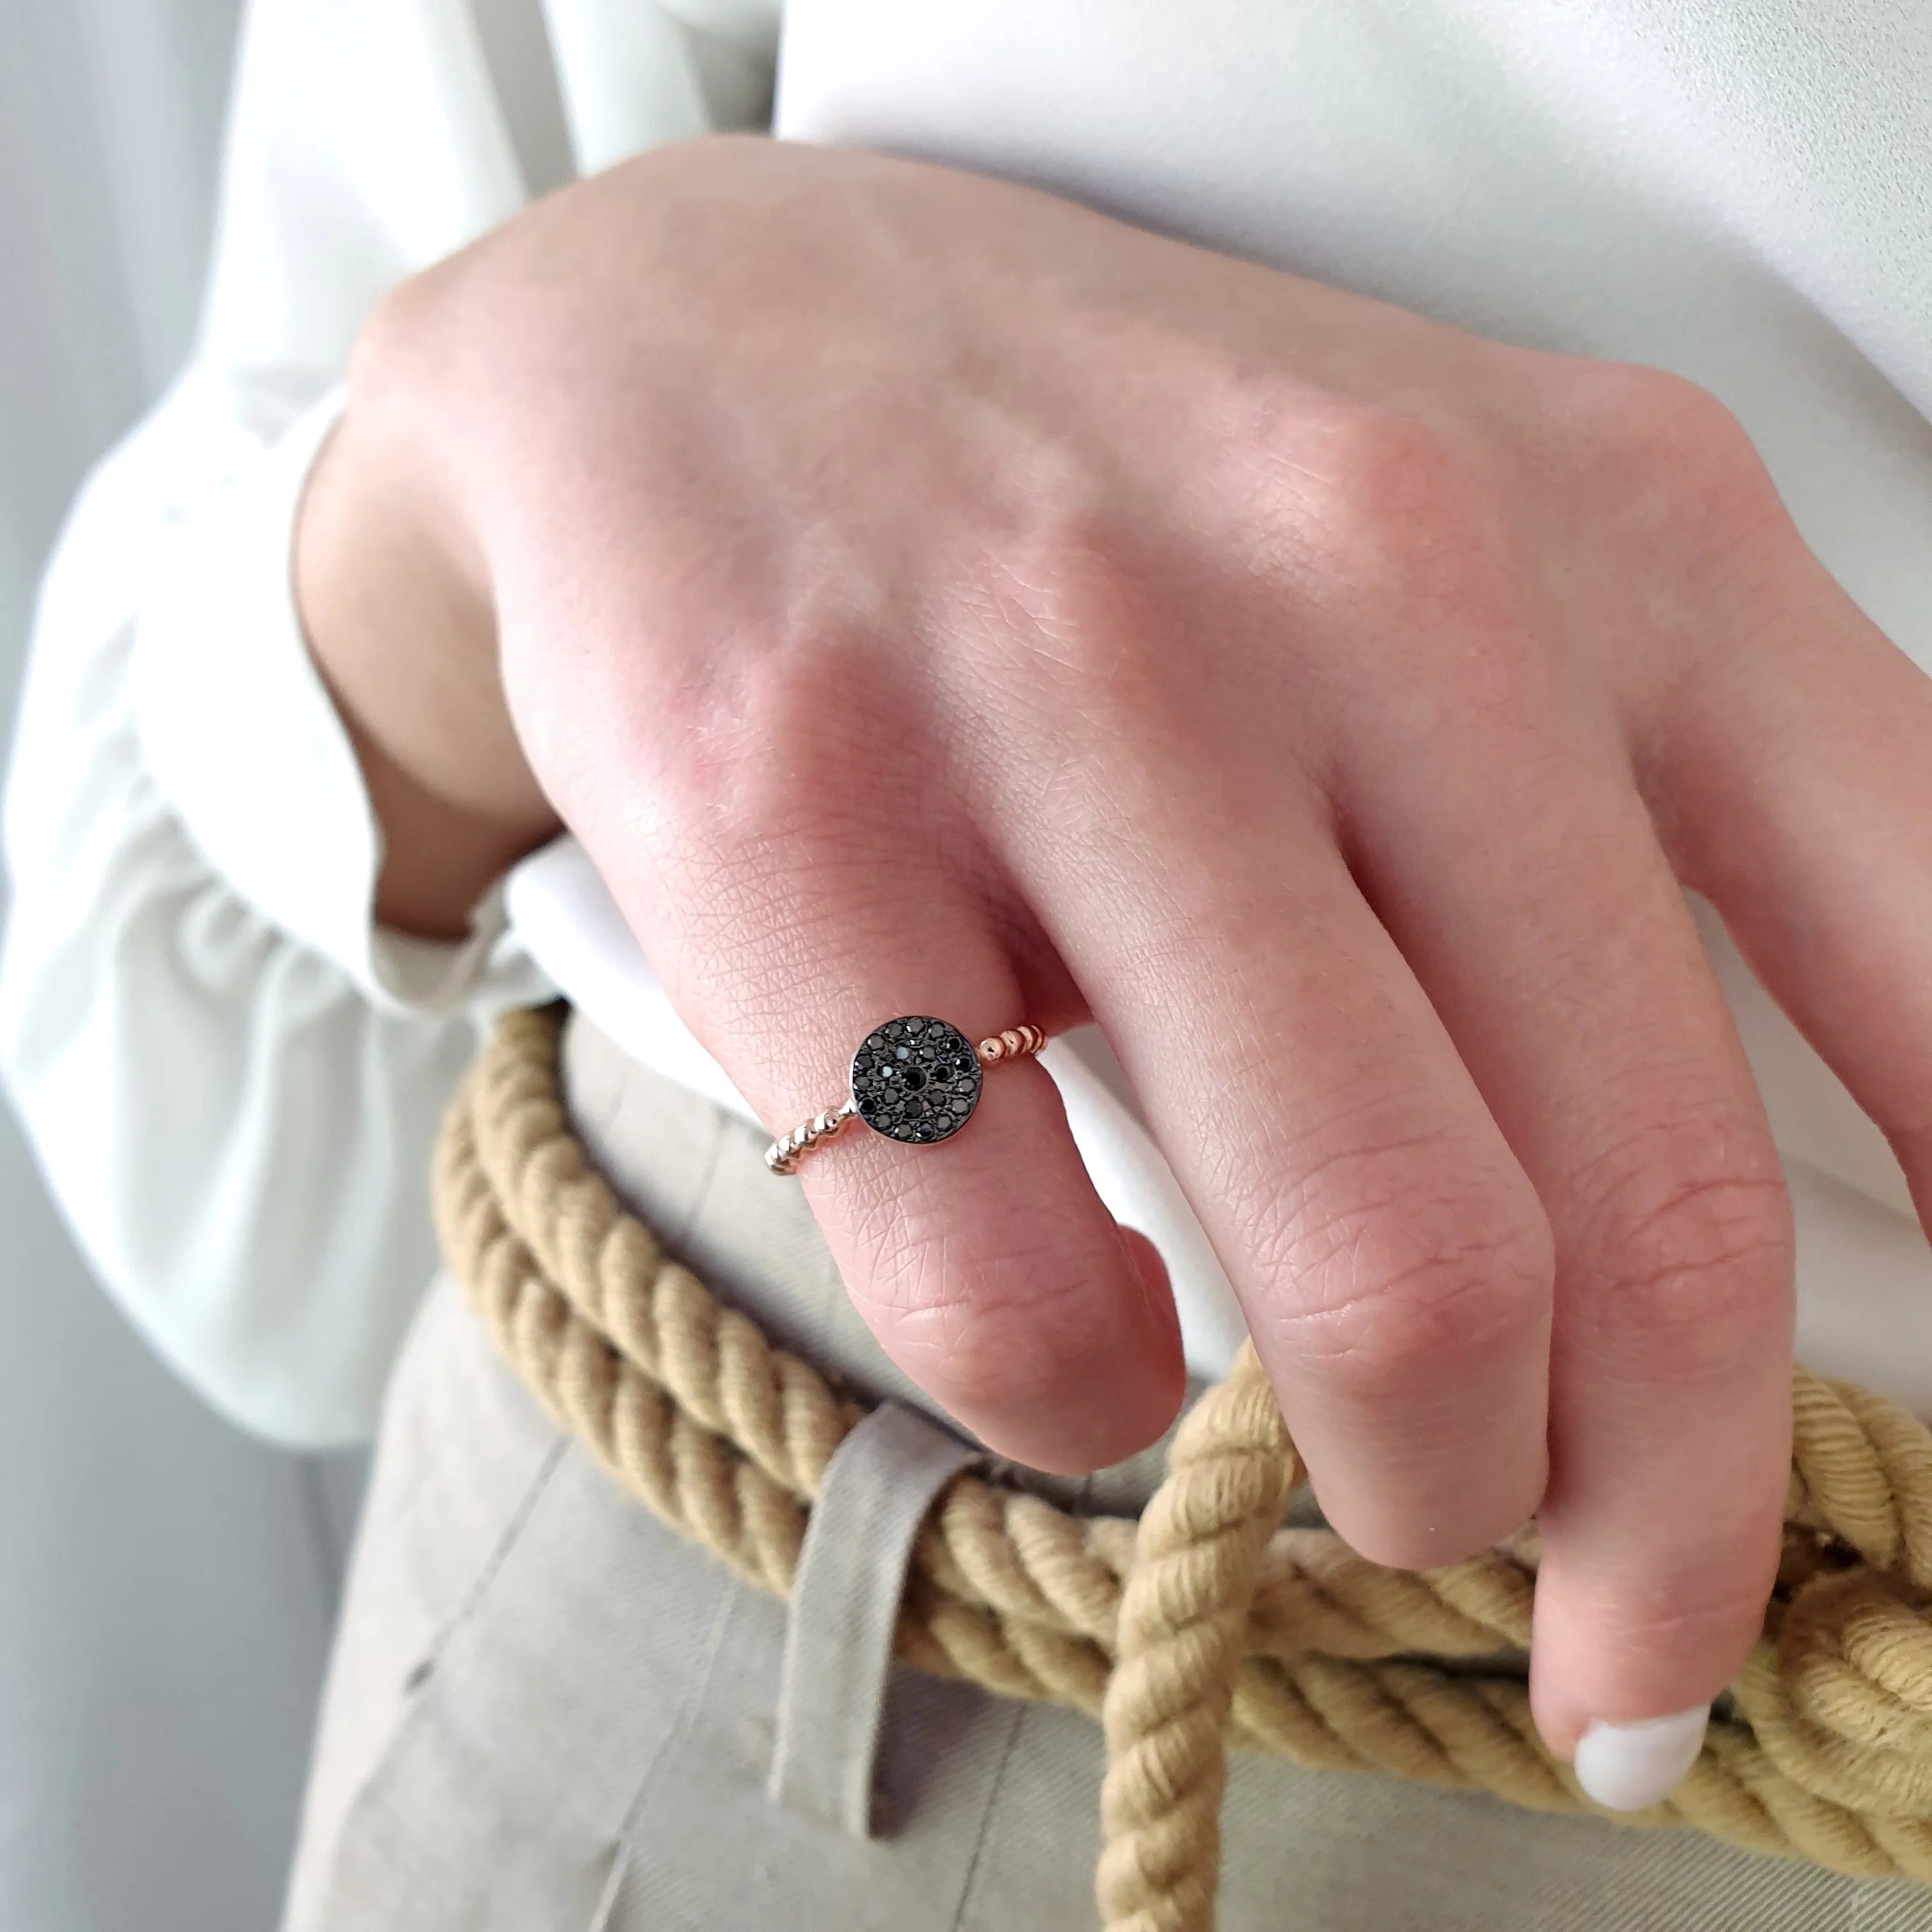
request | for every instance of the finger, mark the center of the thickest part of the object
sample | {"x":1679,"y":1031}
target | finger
{"x":1795,"y":791}
{"x":985,"y":1264}
{"x":1566,"y":966}
{"x":1391,"y":1258}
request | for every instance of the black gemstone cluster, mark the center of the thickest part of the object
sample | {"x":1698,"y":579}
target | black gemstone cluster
{"x":916,"y":1079}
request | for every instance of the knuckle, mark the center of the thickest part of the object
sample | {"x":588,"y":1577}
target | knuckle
{"x":1688,"y":1613}
{"x":1402,"y":523}
{"x":1662,"y":443}
{"x":771,"y":743}
{"x":1696,"y":1587}
{"x":1380,"y":476}
{"x":1400,"y":1324}
{"x":1072,"y":586}
{"x":773,"y":810}
{"x":1690,"y":1275}
{"x":1394,"y":1278}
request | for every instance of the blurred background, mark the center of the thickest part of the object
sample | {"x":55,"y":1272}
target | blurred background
{"x":166,"y":1585}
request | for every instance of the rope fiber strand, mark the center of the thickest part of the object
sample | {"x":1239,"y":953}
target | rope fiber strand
{"x":1205,"y":1623}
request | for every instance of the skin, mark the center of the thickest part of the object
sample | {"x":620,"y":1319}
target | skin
{"x":923,"y":594}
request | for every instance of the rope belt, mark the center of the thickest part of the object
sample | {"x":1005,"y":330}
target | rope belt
{"x":1204,"y":1624}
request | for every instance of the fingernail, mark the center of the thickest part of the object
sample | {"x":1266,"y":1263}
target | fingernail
{"x":1627,"y":1767}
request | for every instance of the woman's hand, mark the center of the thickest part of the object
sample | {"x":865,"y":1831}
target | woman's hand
{"x":924,"y":596}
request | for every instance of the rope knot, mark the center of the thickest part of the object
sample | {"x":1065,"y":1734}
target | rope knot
{"x":1842,"y":1700}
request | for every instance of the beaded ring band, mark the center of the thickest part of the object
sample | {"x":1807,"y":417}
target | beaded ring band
{"x":914,"y":1079}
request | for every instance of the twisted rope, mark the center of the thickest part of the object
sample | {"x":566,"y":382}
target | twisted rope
{"x":1204,"y":1624}
{"x":1179,"y":1641}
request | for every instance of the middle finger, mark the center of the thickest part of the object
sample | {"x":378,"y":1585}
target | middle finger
{"x":1390,"y":1255}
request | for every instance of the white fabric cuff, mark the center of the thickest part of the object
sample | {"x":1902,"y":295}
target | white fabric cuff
{"x":241,"y":735}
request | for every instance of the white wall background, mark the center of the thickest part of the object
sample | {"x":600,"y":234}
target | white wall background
{"x":167,"y":1586}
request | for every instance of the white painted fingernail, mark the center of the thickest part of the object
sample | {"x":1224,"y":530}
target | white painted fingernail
{"x":1627,"y":1767}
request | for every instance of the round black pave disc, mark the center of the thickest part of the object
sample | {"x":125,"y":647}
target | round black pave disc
{"x":916,"y":1079}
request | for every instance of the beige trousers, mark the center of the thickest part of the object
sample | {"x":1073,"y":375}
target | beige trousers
{"x":547,"y":1714}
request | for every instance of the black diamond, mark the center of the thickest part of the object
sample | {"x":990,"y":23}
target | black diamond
{"x":920,"y":1091}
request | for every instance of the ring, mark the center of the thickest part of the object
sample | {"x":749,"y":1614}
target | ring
{"x":914,"y":1079}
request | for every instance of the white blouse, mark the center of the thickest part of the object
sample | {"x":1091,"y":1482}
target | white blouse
{"x":233,"y":1078}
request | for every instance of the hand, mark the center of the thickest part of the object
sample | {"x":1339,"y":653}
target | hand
{"x":924,"y":596}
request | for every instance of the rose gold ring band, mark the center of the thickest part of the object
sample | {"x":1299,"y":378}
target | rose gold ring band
{"x":915,"y":1079}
